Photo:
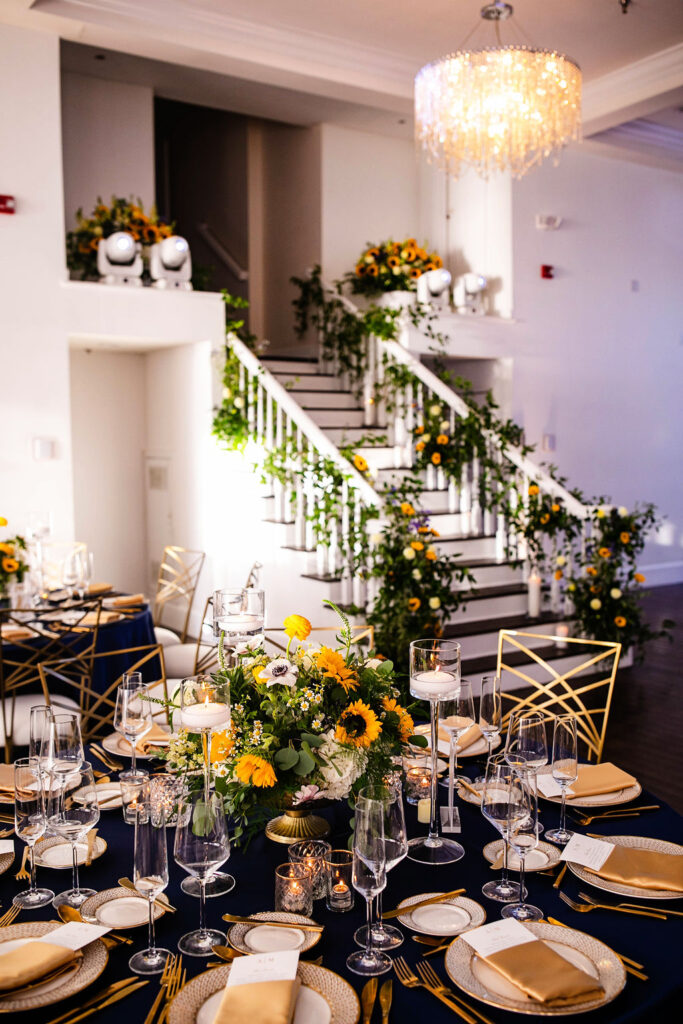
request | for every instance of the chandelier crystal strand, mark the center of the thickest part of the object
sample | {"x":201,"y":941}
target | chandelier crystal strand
{"x":497,"y":109}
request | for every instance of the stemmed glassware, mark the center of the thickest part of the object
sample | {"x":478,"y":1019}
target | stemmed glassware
{"x":238,"y":614}
{"x":86,"y":569}
{"x":565,"y":770}
{"x":71,"y":814}
{"x":523,"y":839}
{"x":434,"y":676}
{"x":150,"y":877}
{"x":71,"y":571}
{"x":201,"y":846}
{"x":490,"y":711}
{"x":132,"y":715}
{"x":526,"y":749}
{"x":501,"y":803}
{"x":390,"y":799}
{"x":61,"y":748}
{"x":40,"y":721}
{"x":30,"y":822}
{"x":457,"y":716}
{"x":369,"y":879}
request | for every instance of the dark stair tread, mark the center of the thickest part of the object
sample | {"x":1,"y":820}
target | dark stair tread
{"x":274,"y":358}
{"x":550,"y":652}
{"x":478,"y":627}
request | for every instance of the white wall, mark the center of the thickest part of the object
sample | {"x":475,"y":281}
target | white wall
{"x":602,"y":364}
{"x":33,"y":344}
{"x":108,"y":429}
{"x":108,"y":142}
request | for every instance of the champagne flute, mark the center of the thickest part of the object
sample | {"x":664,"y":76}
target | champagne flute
{"x":457,"y":716}
{"x":133,"y":714}
{"x":150,"y":878}
{"x":71,"y":571}
{"x":526,"y":749}
{"x":523,"y":839}
{"x":369,"y":879}
{"x":201,"y":847}
{"x":390,"y":798}
{"x":434,"y":676}
{"x":490,"y":712}
{"x":72,"y":815}
{"x":565,"y":770}
{"x":30,"y":822}
{"x":501,"y":798}
{"x":40,"y":722}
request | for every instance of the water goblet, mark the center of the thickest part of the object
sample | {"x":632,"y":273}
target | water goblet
{"x":369,"y":879}
{"x":490,"y":712}
{"x":565,"y":770}
{"x":30,"y":823}
{"x":390,"y":799}
{"x":457,"y":716}
{"x":201,"y":846}
{"x":526,"y":749}
{"x":523,"y":839}
{"x":72,"y":812}
{"x":497,"y":795}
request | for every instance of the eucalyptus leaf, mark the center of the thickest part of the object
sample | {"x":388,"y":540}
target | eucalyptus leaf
{"x":385,"y":668}
{"x":286,"y":758}
{"x":313,"y":741}
{"x":305,"y":763}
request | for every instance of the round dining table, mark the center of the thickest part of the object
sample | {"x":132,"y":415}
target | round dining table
{"x":654,"y":943}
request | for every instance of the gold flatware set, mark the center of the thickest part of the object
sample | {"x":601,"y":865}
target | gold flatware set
{"x":106,"y":758}
{"x":236,"y":919}
{"x":624,"y":812}
{"x":172,"y":979}
{"x":585,"y":908}
{"x":429,"y":980}
{"x":408,"y":908}
{"x":105,"y":997}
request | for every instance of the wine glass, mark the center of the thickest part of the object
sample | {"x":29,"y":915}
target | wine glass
{"x":72,"y":812}
{"x":30,"y":823}
{"x":390,"y":799}
{"x":201,"y":846}
{"x":499,"y":793}
{"x":86,"y":568}
{"x":133,"y":714}
{"x":457,"y":716}
{"x":61,"y":752}
{"x":524,"y":838}
{"x":72,"y":571}
{"x":490,"y":712}
{"x":565,"y":770}
{"x":150,"y":878}
{"x":434,"y":676}
{"x":40,"y":722}
{"x":526,"y":749}
{"x":369,"y":879}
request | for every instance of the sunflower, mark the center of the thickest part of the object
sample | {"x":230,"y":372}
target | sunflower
{"x":372,"y":254}
{"x":407,"y":509}
{"x":9,"y":564}
{"x":534,"y":489}
{"x":591,"y":570}
{"x":604,"y":552}
{"x":434,"y":533}
{"x":360,"y":269}
{"x":417,"y":545}
{"x":332,"y":666}
{"x":639,"y":578}
{"x":408,"y":254}
{"x":437,"y":261}
{"x":297,"y":626}
{"x":255,"y":770}
{"x":420,"y":446}
{"x":624,"y":537}
{"x":393,"y":261}
{"x":436,"y":458}
{"x":358,"y":725}
{"x":372,"y":270}
{"x":415,"y":272}
{"x":405,"y":722}
{"x":221,"y":745}
{"x":431,"y":554}
{"x":413,"y":604}
{"x":620,"y":621}
{"x":442,"y":439}
{"x":360,"y":463}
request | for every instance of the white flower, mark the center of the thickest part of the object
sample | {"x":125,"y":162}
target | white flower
{"x":227,"y":393}
{"x":417,"y":575}
{"x":601,"y":513}
{"x":252,"y":644}
{"x":426,"y":438}
{"x":409,"y":554}
{"x":375,"y":539}
{"x":444,"y":426}
{"x":623,"y":511}
{"x":560,"y":560}
{"x":434,"y":602}
{"x":305,"y":656}
{"x":435,"y":410}
{"x":309,"y":792}
{"x":341,"y":768}
{"x":373,"y":663}
{"x":615,"y":593}
{"x":395,"y":270}
{"x":279,"y":672}
{"x":596,"y":604}
{"x":239,"y":402}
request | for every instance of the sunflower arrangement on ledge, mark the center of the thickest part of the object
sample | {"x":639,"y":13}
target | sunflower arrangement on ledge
{"x":119,"y":215}
{"x":13,"y":564}
{"x":391,"y":267}
{"x":311,"y":725}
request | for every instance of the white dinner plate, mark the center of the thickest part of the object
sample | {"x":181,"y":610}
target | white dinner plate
{"x":118,"y":908}
{"x":451,"y":917}
{"x":620,"y":796}
{"x":108,"y":795}
{"x":259,"y":938}
{"x":56,"y":852}
{"x":544,"y":857}
{"x":311,"y":1008}
{"x":268,"y":939}
{"x":120,"y":747}
{"x":633,"y":891}
{"x":481,"y":746}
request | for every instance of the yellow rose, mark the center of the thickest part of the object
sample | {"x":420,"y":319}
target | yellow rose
{"x":407,"y":509}
{"x":417,"y":545}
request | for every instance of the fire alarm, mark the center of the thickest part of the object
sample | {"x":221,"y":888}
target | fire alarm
{"x":547,"y":271}
{"x":7,"y":204}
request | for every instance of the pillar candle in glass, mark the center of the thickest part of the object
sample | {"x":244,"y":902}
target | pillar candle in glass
{"x":534,"y":595}
{"x":312,"y":853}
{"x":294,"y":889}
{"x":238,"y":614}
{"x":205,"y":706}
{"x":338,"y":870}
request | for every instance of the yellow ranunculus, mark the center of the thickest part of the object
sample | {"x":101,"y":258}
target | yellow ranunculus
{"x":407,"y":509}
{"x":624,"y":537}
{"x":639,"y":578}
{"x":555,"y":508}
{"x":534,"y":489}
{"x":297,"y":626}
{"x":431,"y":554}
{"x":221,"y":745}
{"x":3,"y":521}
{"x":6,"y":549}
{"x":420,"y":446}
{"x":436,"y":458}
{"x":442,"y":439}
{"x":604,"y":552}
{"x":417,"y":545}
{"x":254,"y":770}
{"x":558,"y":574}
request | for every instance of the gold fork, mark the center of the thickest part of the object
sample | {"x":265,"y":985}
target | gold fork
{"x":166,"y":974}
{"x":106,"y":758}
{"x":632,"y":906}
{"x":410,"y":980}
{"x":633,"y":812}
{"x":431,"y":978}
{"x":178,"y":981}
{"x":22,"y":874}
{"x":9,"y":916}
{"x":584,"y":908}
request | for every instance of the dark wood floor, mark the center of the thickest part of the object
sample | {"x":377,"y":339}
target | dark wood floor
{"x":645,"y":731}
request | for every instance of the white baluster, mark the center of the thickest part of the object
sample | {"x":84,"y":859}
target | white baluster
{"x":475,"y":513}
{"x":259,"y":411}
{"x":287,"y":493}
{"x":430,"y":477}
{"x":465,"y":501}
{"x":300,"y":518}
{"x":251,"y":408}
{"x":310,"y":502}
{"x":332,"y":550}
{"x":441,"y":482}
{"x":381,"y":413}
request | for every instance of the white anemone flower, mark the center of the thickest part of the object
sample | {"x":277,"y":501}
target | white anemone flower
{"x":280,"y":672}
{"x":409,"y":554}
{"x":623,"y":511}
{"x":417,"y":575}
{"x":435,"y":410}
{"x":615,"y":593}
{"x":434,"y":603}
{"x":596,"y":604}
{"x":251,"y":644}
{"x":239,"y":402}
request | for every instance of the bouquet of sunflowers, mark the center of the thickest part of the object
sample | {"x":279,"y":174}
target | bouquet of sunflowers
{"x":13,"y":564}
{"x":392,"y":267}
{"x":120,"y":215}
{"x":312,"y":725}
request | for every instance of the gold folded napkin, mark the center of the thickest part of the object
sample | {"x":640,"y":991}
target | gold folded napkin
{"x":90,"y":619}
{"x":595,"y":779}
{"x":128,"y":600}
{"x":263,"y":1002}
{"x":7,"y":777}
{"x":469,"y":737}
{"x":11,"y":633}
{"x":31,"y":961}
{"x":100,"y":588}
{"x":540,"y":972}
{"x":150,"y":741}
{"x":644,"y":868}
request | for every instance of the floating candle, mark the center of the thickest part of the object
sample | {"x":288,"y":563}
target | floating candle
{"x":208,"y":715}
{"x":434,"y":685}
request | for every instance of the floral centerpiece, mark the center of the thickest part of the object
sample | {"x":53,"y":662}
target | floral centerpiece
{"x":120,"y":215}
{"x":391,"y":267}
{"x":13,"y":564}
{"x":312,"y":725}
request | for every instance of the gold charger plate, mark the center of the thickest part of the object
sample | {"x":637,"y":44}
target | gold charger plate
{"x":90,"y":966}
{"x":634,"y":891}
{"x":546,"y":856}
{"x":480,"y":981}
{"x":620,"y":796}
{"x":471,"y":915}
{"x":6,"y":861}
{"x":237,"y":935}
{"x":63,"y":860}
{"x":337,"y":993}
{"x":93,"y":909}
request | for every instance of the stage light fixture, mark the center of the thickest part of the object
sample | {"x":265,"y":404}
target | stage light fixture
{"x":170,"y":263}
{"x":432,"y":285}
{"x":119,"y":260}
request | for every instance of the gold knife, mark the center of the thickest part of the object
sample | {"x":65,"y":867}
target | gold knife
{"x":121,"y":994}
{"x":236,"y":919}
{"x":126,"y":883}
{"x":385,"y":995}
{"x":407,"y":909}
{"x":558,"y":880}
{"x":102,"y":994}
{"x":367,"y":999}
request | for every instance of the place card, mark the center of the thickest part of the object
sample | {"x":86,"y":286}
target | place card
{"x":74,"y":935}
{"x":250,"y":970}
{"x":549,"y":788}
{"x":6,"y":846}
{"x":589,"y":853}
{"x":491,"y":938}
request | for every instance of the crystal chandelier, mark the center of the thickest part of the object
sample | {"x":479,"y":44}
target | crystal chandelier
{"x":498,"y":109}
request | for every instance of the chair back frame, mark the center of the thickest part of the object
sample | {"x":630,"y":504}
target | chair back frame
{"x":177,"y":582}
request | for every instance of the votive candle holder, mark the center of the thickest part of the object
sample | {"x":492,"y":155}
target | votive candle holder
{"x":312,"y":853}
{"x":164,"y":794}
{"x":418,"y":784}
{"x":294,"y":889}
{"x":135,"y":798}
{"x":338,"y":875}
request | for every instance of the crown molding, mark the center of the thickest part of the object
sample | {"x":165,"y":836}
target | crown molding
{"x":613,"y":98}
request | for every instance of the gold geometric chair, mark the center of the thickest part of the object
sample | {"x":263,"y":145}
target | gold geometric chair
{"x":569,"y":692}
{"x":97,"y":706}
{"x":189,"y":659}
{"x":178,"y":576}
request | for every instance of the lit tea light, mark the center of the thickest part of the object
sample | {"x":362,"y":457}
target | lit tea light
{"x":418,"y":784}
{"x":294,"y":889}
{"x":338,"y":872}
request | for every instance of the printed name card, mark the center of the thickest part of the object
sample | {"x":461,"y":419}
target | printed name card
{"x":74,"y":935}
{"x":589,"y":853}
{"x":249,"y":970}
{"x":6,"y":846}
{"x":549,"y":788}
{"x":491,"y":938}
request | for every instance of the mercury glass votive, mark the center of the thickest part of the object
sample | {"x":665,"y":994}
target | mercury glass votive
{"x":294,"y":889}
{"x":312,"y":853}
{"x":164,"y":793}
{"x":338,"y":872}
{"x":418,"y":784}
{"x":135,"y":798}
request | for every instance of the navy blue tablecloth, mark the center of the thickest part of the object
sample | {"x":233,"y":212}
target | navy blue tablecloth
{"x":654,"y":943}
